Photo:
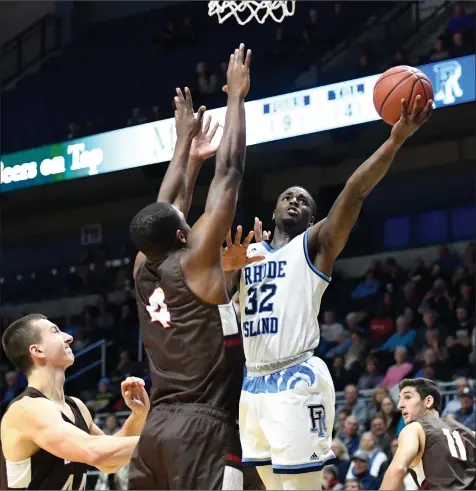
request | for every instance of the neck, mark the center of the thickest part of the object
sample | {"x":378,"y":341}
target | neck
{"x":49,"y":381}
{"x":281,"y":237}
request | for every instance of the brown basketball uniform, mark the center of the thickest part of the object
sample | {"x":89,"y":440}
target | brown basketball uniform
{"x":190,"y":440}
{"x":44,"y":470}
{"x":449,"y":459}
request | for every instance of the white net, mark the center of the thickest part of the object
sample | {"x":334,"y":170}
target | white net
{"x":244,"y":11}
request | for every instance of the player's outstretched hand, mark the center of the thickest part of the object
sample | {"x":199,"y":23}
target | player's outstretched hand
{"x":258,"y":231}
{"x":135,"y":396}
{"x":234,"y":256}
{"x":203,"y":147}
{"x":187,"y":125}
{"x":408,"y":124}
{"x":238,"y":74}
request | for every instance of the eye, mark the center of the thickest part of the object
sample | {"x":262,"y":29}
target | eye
{"x":285,"y":198}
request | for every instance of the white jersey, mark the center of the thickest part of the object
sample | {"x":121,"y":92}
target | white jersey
{"x":280,"y":298}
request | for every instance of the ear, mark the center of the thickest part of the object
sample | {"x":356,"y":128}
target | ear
{"x":36,"y":351}
{"x":429,"y":402}
{"x":274,"y":215}
{"x":180,"y":236}
{"x":312,"y":221}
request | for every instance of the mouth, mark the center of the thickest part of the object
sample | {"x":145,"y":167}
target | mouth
{"x":292,"y":211}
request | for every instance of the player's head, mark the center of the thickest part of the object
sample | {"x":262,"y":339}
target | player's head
{"x":418,"y":397}
{"x":295,"y":210}
{"x":33,"y":341}
{"x":158,"y":229}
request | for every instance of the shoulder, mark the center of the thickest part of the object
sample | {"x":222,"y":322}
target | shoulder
{"x":411,"y":430}
{"x":28,"y":412}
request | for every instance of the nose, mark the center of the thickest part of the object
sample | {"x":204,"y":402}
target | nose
{"x":401,"y":406}
{"x":294,"y":201}
{"x":68,"y":339}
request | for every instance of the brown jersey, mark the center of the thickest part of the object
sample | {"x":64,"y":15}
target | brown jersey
{"x":44,"y":470}
{"x":449,"y":459}
{"x":194,"y":347}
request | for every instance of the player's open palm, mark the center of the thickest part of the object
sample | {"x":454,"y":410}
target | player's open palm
{"x":238,"y":74}
{"x":135,"y":396}
{"x":187,"y":125}
{"x":234,"y":256}
{"x":203,"y":147}
{"x":408,"y":124}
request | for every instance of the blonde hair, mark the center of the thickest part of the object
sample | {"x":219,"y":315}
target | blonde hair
{"x":344,"y":455}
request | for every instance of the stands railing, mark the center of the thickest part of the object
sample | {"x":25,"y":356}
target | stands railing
{"x":100,"y":345}
{"x":29,"y":47}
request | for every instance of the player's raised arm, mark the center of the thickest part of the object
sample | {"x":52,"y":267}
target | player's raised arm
{"x":43,"y":424}
{"x":409,"y":447}
{"x":327,"y":238}
{"x":194,"y":145}
{"x":208,"y":234}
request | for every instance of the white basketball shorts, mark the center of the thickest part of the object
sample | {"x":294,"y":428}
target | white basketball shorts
{"x":286,"y":418}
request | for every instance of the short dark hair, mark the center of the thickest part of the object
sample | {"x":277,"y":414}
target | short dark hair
{"x":153,"y":229}
{"x":313,"y":203}
{"x":17,"y":339}
{"x":425,"y":388}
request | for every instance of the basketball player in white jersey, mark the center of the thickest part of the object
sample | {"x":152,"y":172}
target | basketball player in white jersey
{"x":288,"y":401}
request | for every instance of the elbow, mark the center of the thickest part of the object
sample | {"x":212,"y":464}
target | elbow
{"x":95,"y":459}
{"x":356,"y":189}
{"x":398,"y":470}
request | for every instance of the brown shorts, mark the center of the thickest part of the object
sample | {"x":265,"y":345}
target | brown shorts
{"x":187,"y":446}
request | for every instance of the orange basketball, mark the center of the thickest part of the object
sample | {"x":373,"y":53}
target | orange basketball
{"x":397,"y":83}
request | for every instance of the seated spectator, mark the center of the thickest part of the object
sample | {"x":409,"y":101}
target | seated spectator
{"x":281,"y":44}
{"x":342,"y":457}
{"x":431,"y":322}
{"x":105,"y":319}
{"x":379,"y":431}
{"x":459,"y":346}
{"x":357,"y":408}
{"x":358,"y":350}
{"x":377,"y":458}
{"x":126,"y":367}
{"x":330,"y":478}
{"x":396,"y":373}
{"x":430,"y":358}
{"x":467,"y":295}
{"x":351,"y":434}
{"x":454,"y":405}
{"x":439,"y":300}
{"x":371,"y":378}
{"x":367,"y":288}
{"x":404,"y":337}
{"x":352,"y":485}
{"x":390,"y":415}
{"x":392,"y":275}
{"x":111,"y":425}
{"x":12,"y":388}
{"x":460,"y":21}
{"x":470,"y":257}
{"x":411,"y":299}
{"x":343,"y":345}
{"x":419,"y":274}
{"x":361,"y":471}
{"x":365,"y":67}
{"x":381,"y":326}
{"x":439,"y":52}
{"x":155,"y":116}
{"x":466,"y":414}
{"x":104,"y":394}
{"x":330,"y":329}
{"x":340,"y":375}
{"x":340,"y":422}
{"x":378,"y":396}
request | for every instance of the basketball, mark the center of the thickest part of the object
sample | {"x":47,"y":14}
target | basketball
{"x":397,"y":83}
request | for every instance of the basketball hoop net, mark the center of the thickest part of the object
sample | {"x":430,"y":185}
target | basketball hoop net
{"x":245,"y":11}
